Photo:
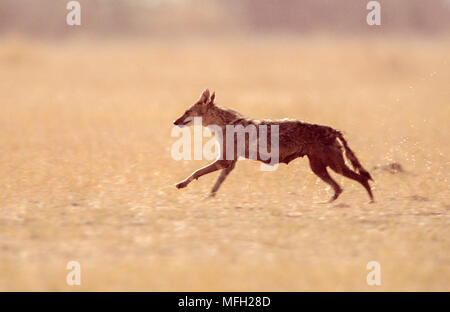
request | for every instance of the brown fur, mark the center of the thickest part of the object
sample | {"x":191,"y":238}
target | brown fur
{"x":323,"y":145}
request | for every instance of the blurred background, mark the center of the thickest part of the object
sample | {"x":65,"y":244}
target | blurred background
{"x":178,"y":18}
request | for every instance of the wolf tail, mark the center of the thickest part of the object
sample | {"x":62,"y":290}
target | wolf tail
{"x":352,"y":157}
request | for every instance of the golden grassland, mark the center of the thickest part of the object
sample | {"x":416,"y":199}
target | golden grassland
{"x":86,"y":172}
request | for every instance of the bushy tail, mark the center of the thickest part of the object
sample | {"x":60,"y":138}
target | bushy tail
{"x":352,"y":157}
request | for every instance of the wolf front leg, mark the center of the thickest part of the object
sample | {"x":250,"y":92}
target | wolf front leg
{"x":217,"y":165}
{"x":222,"y":177}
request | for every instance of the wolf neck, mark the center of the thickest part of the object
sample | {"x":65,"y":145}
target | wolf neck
{"x":223,"y":116}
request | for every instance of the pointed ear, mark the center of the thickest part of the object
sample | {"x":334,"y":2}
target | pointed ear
{"x":210,"y":101}
{"x":205,"y":96}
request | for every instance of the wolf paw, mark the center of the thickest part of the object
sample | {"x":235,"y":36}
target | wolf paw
{"x":181,"y":185}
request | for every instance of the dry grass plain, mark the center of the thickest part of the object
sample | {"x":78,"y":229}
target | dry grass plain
{"x":86,"y":172}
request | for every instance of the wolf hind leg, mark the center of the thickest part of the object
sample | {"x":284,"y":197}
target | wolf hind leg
{"x":338,"y":165}
{"x":320,"y":170}
{"x":361,"y":179}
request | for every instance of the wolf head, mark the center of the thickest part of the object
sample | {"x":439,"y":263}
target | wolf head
{"x":199,"y":109}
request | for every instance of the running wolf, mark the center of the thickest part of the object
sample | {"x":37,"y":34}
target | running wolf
{"x":323,"y":145}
